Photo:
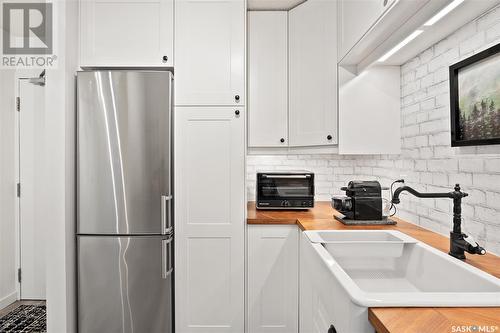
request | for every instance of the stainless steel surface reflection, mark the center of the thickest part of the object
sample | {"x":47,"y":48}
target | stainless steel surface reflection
{"x":123,"y":151}
{"x":123,"y":286}
{"x":124,"y":202}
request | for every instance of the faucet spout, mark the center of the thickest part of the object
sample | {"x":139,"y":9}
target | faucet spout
{"x":399,"y":190}
{"x":459,"y":242}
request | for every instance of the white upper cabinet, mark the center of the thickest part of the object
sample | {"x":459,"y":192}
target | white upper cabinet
{"x":126,"y":33}
{"x":355,"y":17}
{"x":210,"y":52}
{"x":369,"y":103}
{"x":267,"y":79}
{"x":313,"y":73}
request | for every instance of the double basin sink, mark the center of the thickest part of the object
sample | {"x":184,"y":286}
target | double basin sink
{"x":388,"y":268}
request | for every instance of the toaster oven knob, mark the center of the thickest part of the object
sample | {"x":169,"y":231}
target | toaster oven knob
{"x":285,"y":203}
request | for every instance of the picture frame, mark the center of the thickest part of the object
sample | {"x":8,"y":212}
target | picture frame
{"x":475,"y":99}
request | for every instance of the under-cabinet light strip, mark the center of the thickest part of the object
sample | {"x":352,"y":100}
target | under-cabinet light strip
{"x":443,"y":12}
{"x":396,"y":48}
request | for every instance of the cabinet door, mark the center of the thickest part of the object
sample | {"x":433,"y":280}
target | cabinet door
{"x":267,"y":79}
{"x":376,"y":116}
{"x":210,"y":52}
{"x":313,"y":74}
{"x":355,"y":17}
{"x":126,"y":32}
{"x":209,"y":219}
{"x":316,"y":294}
{"x":273,"y":278}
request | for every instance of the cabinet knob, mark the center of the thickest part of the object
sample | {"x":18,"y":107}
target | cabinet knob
{"x":282,"y":140}
{"x":237,"y":98}
{"x":332,"y":329}
{"x":328,"y":137}
{"x":237,"y":112}
{"x":164,"y":58}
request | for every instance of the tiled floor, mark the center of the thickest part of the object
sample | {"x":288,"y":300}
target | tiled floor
{"x":24,"y":316}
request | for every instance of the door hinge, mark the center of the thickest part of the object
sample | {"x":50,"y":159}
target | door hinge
{"x":18,"y":190}
{"x":18,"y":104}
{"x":19,"y":275}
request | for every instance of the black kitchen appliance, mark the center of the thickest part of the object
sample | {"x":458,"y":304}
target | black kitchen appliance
{"x":285,"y":189}
{"x":362,"y":203}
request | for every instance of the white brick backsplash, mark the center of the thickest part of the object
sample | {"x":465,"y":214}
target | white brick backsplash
{"x":492,"y":165}
{"x":471,"y":165}
{"x":493,"y":199}
{"x":440,"y":139}
{"x":493,"y":33}
{"x":487,"y":181}
{"x":471,"y":44}
{"x":427,"y":162}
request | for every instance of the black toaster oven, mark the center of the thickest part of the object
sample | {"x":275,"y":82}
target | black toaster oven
{"x":285,"y":190}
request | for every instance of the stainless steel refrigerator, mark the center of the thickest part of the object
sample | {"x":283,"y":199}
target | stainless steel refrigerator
{"x":124,"y":202}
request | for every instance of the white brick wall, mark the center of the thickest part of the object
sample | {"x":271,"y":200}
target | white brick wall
{"x":427,"y":161}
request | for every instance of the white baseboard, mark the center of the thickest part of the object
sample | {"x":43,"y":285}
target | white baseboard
{"x":7,"y":300}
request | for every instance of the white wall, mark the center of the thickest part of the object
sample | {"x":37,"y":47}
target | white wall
{"x":60,"y":166}
{"x":8,"y":235}
{"x":427,"y":161}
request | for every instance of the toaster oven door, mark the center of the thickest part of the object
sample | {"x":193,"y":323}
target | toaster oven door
{"x":275,"y":187}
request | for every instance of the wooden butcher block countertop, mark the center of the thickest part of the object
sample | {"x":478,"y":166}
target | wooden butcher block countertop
{"x":396,"y":320}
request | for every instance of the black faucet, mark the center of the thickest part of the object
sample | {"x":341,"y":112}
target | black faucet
{"x":459,"y":242}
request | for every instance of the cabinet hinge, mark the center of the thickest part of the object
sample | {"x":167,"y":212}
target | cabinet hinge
{"x":18,"y":104}
{"x":18,"y":190}
{"x":19,"y":275}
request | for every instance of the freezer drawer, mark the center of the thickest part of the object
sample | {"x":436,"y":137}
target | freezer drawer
{"x":125,"y":284}
{"x":124,"y":152}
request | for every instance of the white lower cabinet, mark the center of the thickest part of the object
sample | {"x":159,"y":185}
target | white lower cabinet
{"x":272,"y":278}
{"x":316,"y":296}
{"x":209,"y":219}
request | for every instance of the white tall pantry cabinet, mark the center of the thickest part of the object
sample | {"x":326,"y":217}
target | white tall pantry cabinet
{"x":209,"y":224}
{"x":209,"y":196}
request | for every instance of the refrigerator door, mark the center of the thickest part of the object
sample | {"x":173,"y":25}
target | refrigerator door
{"x":124,"y":152}
{"x":125,"y":284}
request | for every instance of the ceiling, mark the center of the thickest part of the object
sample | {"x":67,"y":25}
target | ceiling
{"x":272,"y":4}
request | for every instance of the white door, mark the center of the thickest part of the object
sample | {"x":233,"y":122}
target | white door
{"x":31,"y":188}
{"x":126,"y":32}
{"x":313,"y":74}
{"x":209,"y":219}
{"x":273,"y":278}
{"x":267,"y":79}
{"x":210,"y":52}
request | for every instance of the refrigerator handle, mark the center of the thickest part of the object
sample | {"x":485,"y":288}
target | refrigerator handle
{"x":166,"y":227}
{"x":166,"y":258}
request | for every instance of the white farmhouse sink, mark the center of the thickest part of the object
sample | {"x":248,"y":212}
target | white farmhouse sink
{"x":389,"y":268}
{"x":343,"y":273}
